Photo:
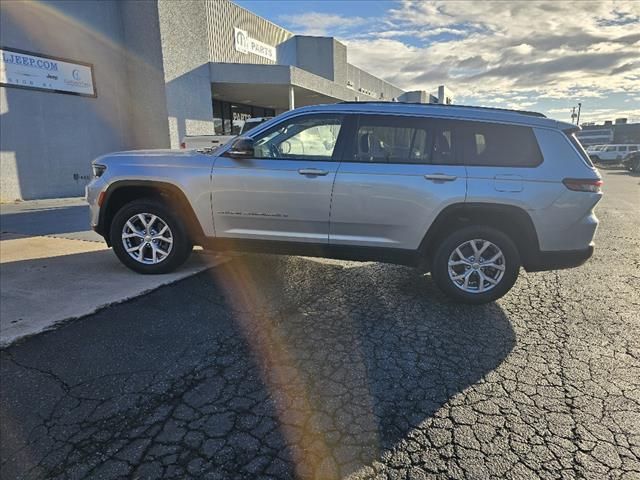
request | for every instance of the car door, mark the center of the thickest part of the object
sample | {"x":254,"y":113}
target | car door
{"x":622,"y":151}
{"x":609,"y":153}
{"x":284,"y":191}
{"x":396,"y":176}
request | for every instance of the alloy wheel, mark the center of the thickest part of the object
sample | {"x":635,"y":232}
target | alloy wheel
{"x":147,"y":238}
{"x":476,"y":266}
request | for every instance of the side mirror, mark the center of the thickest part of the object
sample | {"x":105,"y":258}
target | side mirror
{"x":241,"y":147}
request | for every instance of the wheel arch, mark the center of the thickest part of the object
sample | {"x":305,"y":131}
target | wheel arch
{"x":513,"y":221}
{"x":122,"y":192}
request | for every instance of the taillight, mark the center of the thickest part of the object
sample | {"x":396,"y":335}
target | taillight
{"x":583,"y":185}
{"x":183,"y":145}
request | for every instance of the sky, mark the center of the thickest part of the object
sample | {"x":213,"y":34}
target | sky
{"x":544,"y":56}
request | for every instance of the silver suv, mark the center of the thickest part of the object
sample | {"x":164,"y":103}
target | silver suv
{"x":469,"y":194}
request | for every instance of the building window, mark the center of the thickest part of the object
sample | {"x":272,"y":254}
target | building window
{"x":229,"y":118}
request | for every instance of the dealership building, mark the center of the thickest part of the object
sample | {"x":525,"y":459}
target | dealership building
{"x":80,"y":79}
{"x":618,"y":132}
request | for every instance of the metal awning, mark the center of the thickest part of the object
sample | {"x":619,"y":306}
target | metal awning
{"x":271,"y":86}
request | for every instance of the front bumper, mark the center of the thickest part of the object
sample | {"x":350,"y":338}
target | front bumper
{"x":558,"y":260}
{"x":92,"y":194}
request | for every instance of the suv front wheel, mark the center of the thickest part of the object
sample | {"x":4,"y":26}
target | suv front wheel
{"x":476,"y":264}
{"x":149,"y":238}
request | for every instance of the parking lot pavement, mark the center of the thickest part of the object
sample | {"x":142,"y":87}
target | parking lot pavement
{"x":270,"y":367}
{"x":52,"y":268}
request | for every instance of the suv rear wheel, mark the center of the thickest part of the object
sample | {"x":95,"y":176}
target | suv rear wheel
{"x":149,"y":238}
{"x":476,"y":264}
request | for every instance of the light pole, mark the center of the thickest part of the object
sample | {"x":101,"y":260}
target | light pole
{"x":576,"y":116}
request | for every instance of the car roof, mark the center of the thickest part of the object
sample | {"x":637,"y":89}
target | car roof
{"x":458,"y":112}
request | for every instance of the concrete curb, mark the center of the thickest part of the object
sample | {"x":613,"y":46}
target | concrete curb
{"x":6,"y":343}
{"x":49,"y":281}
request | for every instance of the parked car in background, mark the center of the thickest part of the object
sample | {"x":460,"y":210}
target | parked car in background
{"x":469,"y":194}
{"x":594,"y":148}
{"x":253,"y":122}
{"x":201,"y":142}
{"x":632,"y":161}
{"x":613,"y":153}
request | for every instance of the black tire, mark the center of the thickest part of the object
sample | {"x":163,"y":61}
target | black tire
{"x":595,"y":158}
{"x":440,"y":265}
{"x":181,"y":247}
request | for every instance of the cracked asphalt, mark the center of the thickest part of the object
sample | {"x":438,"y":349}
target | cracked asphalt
{"x":290,"y":367}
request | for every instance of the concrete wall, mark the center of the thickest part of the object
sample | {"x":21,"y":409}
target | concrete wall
{"x":49,"y":139}
{"x":185,"y":43}
{"x":145,"y":75}
{"x":315,"y":55}
{"x":381,"y":90}
{"x":415,"y":96}
{"x":626,"y":133}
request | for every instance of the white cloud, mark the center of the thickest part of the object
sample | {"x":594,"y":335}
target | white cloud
{"x":315,"y":23}
{"x":550,"y":50}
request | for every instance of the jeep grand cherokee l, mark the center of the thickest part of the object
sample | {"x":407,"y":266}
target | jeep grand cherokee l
{"x":469,"y":194}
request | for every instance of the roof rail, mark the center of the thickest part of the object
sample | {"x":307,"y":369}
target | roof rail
{"x":521,"y":112}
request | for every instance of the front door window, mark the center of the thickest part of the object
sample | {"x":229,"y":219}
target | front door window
{"x":308,"y":138}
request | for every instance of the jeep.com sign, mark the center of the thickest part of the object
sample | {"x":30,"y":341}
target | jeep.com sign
{"x":30,"y":70}
{"x":245,"y":44}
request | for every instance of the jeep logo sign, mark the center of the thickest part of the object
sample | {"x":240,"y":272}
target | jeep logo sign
{"x":22,"y":69}
{"x":245,"y":44}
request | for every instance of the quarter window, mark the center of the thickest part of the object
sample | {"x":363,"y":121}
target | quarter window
{"x":622,"y":149}
{"x":310,"y":138}
{"x":492,"y":144}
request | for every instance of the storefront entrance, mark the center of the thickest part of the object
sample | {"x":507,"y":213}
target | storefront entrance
{"x":228,"y":117}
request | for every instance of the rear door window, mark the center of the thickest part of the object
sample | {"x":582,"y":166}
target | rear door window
{"x":408,"y":140}
{"x":383,"y":139}
{"x":492,"y":144}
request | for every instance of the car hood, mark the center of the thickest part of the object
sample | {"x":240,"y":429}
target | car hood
{"x":149,"y":157}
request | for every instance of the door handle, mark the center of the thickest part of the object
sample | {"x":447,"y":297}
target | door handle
{"x":440,"y":177}
{"x":313,"y":171}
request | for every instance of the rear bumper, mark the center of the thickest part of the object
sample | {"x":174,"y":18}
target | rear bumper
{"x":558,"y":260}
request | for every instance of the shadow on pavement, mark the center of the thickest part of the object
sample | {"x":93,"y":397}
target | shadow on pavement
{"x":47,"y":221}
{"x":280,"y":366}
